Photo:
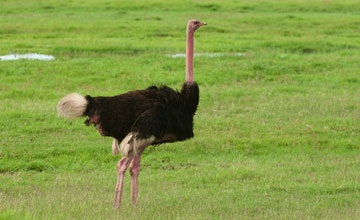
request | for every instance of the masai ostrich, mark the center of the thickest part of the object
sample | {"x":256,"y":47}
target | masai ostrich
{"x":140,"y":118}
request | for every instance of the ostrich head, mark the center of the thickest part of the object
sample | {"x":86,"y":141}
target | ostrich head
{"x":194,"y":24}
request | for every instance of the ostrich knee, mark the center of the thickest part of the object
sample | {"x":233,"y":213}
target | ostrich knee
{"x":122,"y":165}
{"x":135,"y":169}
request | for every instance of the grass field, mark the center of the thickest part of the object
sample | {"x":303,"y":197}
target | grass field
{"x":276,"y":132}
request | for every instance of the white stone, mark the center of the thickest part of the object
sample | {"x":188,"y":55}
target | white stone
{"x":28,"y":56}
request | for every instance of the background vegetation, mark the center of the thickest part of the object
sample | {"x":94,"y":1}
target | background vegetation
{"x":277,"y":130}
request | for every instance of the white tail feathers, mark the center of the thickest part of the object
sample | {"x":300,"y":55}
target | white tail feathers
{"x":130,"y":144}
{"x":72,"y":106}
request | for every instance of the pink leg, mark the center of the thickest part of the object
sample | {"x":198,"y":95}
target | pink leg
{"x":134,"y":172}
{"x":122,"y":165}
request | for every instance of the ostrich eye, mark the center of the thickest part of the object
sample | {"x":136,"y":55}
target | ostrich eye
{"x":196,"y":22}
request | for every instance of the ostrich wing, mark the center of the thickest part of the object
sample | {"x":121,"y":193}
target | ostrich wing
{"x":152,"y":122}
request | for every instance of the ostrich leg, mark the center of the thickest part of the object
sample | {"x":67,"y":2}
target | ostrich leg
{"x":122,"y":165}
{"x":134,"y":172}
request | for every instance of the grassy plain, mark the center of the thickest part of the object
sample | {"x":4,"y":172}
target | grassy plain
{"x":277,"y":130}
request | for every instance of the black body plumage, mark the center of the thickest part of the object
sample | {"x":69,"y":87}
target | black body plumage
{"x":162,"y":112}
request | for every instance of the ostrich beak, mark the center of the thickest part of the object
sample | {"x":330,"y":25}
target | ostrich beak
{"x":202,"y":24}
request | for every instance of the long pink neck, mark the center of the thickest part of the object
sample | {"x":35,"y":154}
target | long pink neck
{"x":190,"y":55}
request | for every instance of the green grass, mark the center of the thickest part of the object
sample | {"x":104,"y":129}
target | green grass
{"x":276,"y":132}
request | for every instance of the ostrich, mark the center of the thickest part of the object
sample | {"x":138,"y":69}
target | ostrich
{"x":140,"y":118}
